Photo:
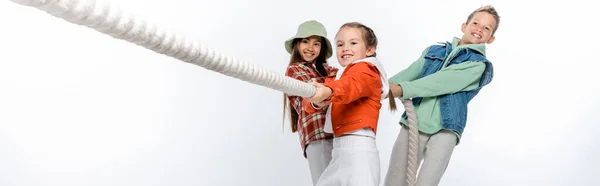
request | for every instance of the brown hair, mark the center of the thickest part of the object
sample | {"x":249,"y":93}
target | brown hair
{"x":371,"y":41}
{"x":490,"y":10}
{"x":295,"y":58}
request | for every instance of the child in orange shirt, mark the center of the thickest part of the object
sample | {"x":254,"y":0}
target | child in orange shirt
{"x":355,"y":99}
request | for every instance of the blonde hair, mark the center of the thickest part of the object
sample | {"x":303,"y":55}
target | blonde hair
{"x":490,"y":10}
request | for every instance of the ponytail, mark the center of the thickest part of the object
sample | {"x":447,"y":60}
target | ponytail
{"x":392,"y":100}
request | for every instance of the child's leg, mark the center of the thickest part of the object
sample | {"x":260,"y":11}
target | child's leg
{"x":437,"y":155}
{"x":318,"y":154}
{"x":355,"y":162}
{"x":396,"y":174}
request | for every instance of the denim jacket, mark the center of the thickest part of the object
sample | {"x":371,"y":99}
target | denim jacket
{"x":453,"y":107}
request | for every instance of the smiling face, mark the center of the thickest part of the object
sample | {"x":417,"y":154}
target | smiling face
{"x":310,"y":48}
{"x":479,"y":29}
{"x":351,"y":46}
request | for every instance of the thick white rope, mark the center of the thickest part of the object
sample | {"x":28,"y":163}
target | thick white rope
{"x":413,"y":143}
{"x":125,"y":26}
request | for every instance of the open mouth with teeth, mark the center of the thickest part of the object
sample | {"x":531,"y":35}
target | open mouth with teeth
{"x":476,"y":35}
{"x":309,"y":54}
{"x":346,"y":56}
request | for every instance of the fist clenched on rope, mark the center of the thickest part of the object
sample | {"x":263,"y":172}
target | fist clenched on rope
{"x":322,"y":95}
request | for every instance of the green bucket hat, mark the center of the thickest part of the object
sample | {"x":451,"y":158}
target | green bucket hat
{"x":307,"y":29}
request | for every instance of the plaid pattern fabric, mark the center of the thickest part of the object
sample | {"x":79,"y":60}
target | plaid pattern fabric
{"x":310,"y":124}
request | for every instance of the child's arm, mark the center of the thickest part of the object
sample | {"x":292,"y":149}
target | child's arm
{"x":298,"y":102}
{"x":411,"y":73}
{"x":331,"y":71}
{"x":358,"y":81}
{"x":454,"y":78}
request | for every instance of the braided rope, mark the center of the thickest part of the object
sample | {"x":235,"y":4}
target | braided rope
{"x":413,"y":143}
{"x":125,"y":26}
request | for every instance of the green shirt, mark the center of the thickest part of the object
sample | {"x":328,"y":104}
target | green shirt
{"x":451,"y":79}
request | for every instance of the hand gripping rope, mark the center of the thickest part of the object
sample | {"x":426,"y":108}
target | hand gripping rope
{"x":125,"y":26}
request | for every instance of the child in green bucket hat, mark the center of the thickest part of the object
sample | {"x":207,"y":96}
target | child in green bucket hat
{"x":309,"y":50}
{"x":307,"y":29}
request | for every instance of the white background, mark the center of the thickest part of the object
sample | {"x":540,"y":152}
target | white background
{"x":78,"y":107}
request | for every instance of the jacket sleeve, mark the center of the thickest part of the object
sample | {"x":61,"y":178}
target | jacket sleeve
{"x":454,"y":78}
{"x":359,"y":80}
{"x":412,"y":72}
{"x":331,"y":71}
{"x":299,"y":103}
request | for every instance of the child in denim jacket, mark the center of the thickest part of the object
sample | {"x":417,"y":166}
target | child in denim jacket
{"x":441,"y":83}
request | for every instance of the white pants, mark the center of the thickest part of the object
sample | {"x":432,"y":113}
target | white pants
{"x":318,"y":154}
{"x":435,"y":149}
{"x":355,"y":162}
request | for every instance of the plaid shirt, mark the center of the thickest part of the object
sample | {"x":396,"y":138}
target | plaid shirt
{"x":310,"y":124}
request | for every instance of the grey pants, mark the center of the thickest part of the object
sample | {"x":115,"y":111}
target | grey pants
{"x":434,"y":151}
